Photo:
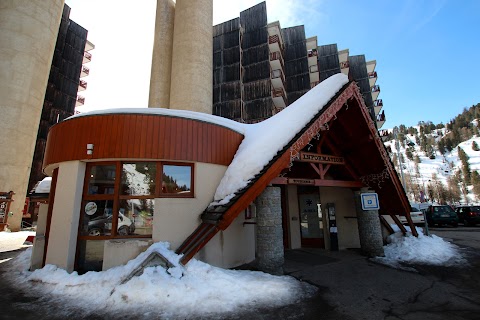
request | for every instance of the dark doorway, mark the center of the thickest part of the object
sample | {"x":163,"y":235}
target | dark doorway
{"x":311,"y":224}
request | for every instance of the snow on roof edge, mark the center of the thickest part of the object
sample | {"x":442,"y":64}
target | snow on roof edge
{"x":44,"y":185}
{"x":185,"y":114}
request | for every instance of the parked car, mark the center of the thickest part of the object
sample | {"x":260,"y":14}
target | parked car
{"x":417,"y":217}
{"x":468,"y":215}
{"x":103,"y":224}
{"x":441,"y":214}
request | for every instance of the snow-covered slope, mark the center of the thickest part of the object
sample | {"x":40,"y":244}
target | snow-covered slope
{"x":442,"y":165}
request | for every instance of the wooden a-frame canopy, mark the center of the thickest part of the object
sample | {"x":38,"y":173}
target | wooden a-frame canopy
{"x":342,"y":128}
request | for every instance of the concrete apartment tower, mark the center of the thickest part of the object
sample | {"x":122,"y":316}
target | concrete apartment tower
{"x":28,"y":37}
{"x":182,"y":56}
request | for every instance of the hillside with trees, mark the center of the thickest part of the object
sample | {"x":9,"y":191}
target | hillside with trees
{"x":439,"y":162}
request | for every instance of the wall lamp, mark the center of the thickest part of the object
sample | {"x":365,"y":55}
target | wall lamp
{"x":89,"y":148}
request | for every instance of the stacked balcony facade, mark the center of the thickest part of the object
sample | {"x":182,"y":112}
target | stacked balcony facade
{"x":63,"y":84}
{"x":260,"y":68}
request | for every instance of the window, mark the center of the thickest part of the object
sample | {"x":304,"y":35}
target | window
{"x":124,"y":207}
{"x":176,"y":180}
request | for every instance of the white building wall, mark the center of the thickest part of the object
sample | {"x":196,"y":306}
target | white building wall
{"x":176,"y":218}
{"x":39,"y":243}
{"x":347,"y":226}
{"x":62,"y":239}
{"x":232,"y":247}
{"x":295,"y":240}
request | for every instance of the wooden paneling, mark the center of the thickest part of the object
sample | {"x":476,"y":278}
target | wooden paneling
{"x":141,"y":136}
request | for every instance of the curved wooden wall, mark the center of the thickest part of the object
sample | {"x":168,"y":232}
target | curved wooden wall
{"x":140,"y":136}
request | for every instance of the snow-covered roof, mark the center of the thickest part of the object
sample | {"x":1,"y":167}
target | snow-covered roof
{"x":265,"y":139}
{"x":224,"y":122}
{"x":44,"y":185}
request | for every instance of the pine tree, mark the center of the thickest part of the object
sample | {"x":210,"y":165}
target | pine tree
{"x":475,"y":146}
{"x":476,"y":184}
{"x":467,"y":174}
{"x":441,"y":147}
{"x":409,"y":154}
{"x":453,"y":190}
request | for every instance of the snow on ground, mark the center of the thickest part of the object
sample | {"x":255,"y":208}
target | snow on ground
{"x":178,"y":292}
{"x":198,"y":288}
{"x":431,"y":250}
{"x":13,"y":240}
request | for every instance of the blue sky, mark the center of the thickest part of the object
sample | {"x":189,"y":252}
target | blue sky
{"x":426,"y":50}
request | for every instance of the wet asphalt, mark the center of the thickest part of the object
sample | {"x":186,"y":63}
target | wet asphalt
{"x":349,"y":286}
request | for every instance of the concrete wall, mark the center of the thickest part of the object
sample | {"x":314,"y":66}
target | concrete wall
{"x":347,"y":226}
{"x":162,"y":55}
{"x":192,"y":57}
{"x":39,"y":243}
{"x":119,"y":251}
{"x":176,"y":218}
{"x":232,"y":247}
{"x":28,"y":36}
{"x":62,"y":239}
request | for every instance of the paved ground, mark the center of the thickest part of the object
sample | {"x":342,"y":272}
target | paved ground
{"x":350,"y":287}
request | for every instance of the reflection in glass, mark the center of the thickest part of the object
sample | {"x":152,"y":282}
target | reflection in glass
{"x":137,"y":216}
{"x":138,"y":179}
{"x":96,"y":217}
{"x":176,"y":179}
{"x":311,"y":216}
{"x":101,"y":180}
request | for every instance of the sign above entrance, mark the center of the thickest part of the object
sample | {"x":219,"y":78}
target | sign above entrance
{"x":320,"y":158}
{"x":301,"y":181}
{"x":369,"y":201}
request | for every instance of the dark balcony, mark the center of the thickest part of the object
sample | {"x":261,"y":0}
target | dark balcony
{"x":278,"y":78}
{"x":372,"y":74}
{"x":87,"y":57}
{"x":274,"y":43}
{"x":80,"y":101}
{"x":279,"y":98}
{"x":82,"y":85}
{"x":375,"y":92}
{"x":344,"y":65}
{"x":312,"y":53}
{"x":276,"y":60}
{"x":85,"y":72}
{"x":378,"y":103}
{"x":381,"y":119}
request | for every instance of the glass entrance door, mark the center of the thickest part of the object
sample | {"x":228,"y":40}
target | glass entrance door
{"x":311,"y":225}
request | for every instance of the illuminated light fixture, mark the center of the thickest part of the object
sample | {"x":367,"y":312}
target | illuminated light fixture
{"x":89,"y":148}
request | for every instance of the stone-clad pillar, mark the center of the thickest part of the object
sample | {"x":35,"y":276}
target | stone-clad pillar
{"x":369,"y":229}
{"x":162,"y":55}
{"x":29,"y":30}
{"x":192,"y":56}
{"x":270,"y":255}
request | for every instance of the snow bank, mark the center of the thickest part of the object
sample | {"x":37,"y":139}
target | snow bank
{"x":197,"y":289}
{"x":423,"y":249}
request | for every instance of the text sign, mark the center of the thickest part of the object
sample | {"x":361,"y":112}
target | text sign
{"x":301,"y":181}
{"x":320,"y":158}
{"x":369,"y":201}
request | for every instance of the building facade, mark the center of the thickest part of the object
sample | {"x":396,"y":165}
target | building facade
{"x":129,"y":178}
{"x":260,"y":68}
{"x":66,"y":79}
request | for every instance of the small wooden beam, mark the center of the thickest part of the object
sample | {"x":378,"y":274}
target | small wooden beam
{"x":386,"y":224}
{"x":399,"y":224}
